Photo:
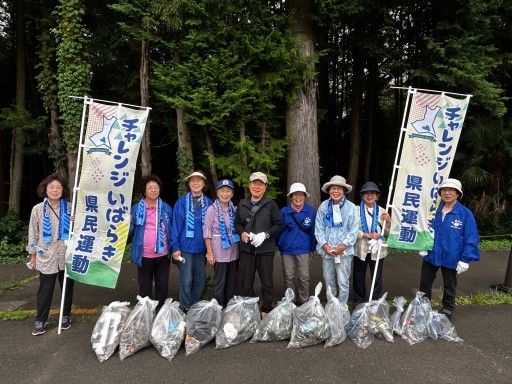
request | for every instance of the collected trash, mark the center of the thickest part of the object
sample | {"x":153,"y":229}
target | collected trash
{"x":107,"y":330}
{"x":395,"y":319}
{"x":135,"y":335}
{"x":338,"y":316}
{"x":359,"y":328}
{"x":379,"y":319}
{"x":278,"y":324}
{"x":203,"y":321}
{"x":414,"y":321}
{"x":310,"y":323}
{"x":168,"y":330}
{"x":238,"y":321}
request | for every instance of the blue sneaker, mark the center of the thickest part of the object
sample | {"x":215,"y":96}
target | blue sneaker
{"x":66,"y":322}
{"x":38,"y":328}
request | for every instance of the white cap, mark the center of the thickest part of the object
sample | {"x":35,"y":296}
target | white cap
{"x":451,"y":183}
{"x":298,"y":187}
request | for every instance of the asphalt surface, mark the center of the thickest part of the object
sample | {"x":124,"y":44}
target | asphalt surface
{"x":484,"y":356}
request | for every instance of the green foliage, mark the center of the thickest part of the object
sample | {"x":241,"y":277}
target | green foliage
{"x":13,"y":239}
{"x":486,"y":170}
{"x":494,"y":245}
{"x":73,"y":66}
{"x":33,"y":129}
{"x":15,"y":314}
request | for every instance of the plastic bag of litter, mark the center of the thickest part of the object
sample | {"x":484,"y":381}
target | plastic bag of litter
{"x":168,"y":330}
{"x":238,"y":321}
{"x":203,"y":321}
{"x":107,"y":331}
{"x":414,"y":321}
{"x":278,"y":324}
{"x":338,"y":315}
{"x":379,"y":317}
{"x":135,"y":335}
{"x":310,"y":323}
{"x":359,"y":328}
{"x":443,"y":327}
{"x":399,"y":303}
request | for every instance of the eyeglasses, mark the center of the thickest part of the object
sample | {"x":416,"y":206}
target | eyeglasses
{"x":54,"y":187}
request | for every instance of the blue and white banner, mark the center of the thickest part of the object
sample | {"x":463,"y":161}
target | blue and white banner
{"x":104,"y":193}
{"x":432,"y":133}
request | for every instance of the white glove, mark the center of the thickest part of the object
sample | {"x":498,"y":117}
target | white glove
{"x":374,"y":245}
{"x":462,"y":267}
{"x":258,"y":239}
{"x":423,"y":253}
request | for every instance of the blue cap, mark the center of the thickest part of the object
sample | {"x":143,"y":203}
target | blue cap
{"x":369,"y":186}
{"x":225,"y":183}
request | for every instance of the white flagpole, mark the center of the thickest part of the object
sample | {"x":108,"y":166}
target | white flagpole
{"x":73,"y":204}
{"x":403,"y":129}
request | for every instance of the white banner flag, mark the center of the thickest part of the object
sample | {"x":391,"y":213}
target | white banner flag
{"x":433,"y":130}
{"x":102,"y":217}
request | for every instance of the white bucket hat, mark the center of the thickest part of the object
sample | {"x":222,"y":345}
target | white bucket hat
{"x":451,"y":183}
{"x":339,"y":181}
{"x":298,"y":187}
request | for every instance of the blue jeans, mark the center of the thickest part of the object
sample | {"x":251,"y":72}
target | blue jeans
{"x":337,"y":276}
{"x":192,"y":278}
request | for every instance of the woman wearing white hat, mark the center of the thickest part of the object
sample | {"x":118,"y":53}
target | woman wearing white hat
{"x":455,"y":244}
{"x":336,"y":229}
{"x":187,"y":239}
{"x":297,"y":241}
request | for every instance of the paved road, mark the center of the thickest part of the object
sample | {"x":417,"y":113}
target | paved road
{"x":484,"y":356}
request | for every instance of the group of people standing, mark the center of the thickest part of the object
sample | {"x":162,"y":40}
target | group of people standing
{"x":240,"y":241}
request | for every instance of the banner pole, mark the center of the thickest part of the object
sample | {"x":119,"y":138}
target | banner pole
{"x":73,"y":204}
{"x":403,"y":129}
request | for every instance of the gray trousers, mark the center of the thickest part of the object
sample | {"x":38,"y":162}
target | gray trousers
{"x":299,"y":264}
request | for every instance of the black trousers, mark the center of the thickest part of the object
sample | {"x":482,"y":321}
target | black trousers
{"x":248,"y":265}
{"x":359,"y":278}
{"x":224,"y":281}
{"x":157,"y":270}
{"x":428,"y":275}
{"x":45,"y":294}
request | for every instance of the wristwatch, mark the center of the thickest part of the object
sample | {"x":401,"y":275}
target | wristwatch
{"x":267,"y":235}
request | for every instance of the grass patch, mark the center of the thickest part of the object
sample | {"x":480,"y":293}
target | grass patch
{"x":17,"y":314}
{"x":16,"y":284}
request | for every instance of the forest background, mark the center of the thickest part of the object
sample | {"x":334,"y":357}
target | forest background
{"x":298,"y":89}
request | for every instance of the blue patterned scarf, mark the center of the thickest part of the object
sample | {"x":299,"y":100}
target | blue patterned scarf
{"x":190,"y":214}
{"x":140,"y":219}
{"x":226,"y":243}
{"x":375,"y":218}
{"x":328,"y":220}
{"x":64,"y":221}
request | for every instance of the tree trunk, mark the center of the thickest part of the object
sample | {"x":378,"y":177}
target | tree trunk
{"x":16,"y":166}
{"x":185,"y":156}
{"x":72,"y":159}
{"x":355,"y":110}
{"x":242,"y":145}
{"x":145,"y":154}
{"x":55,"y":138}
{"x":211,"y":155}
{"x":301,"y":112}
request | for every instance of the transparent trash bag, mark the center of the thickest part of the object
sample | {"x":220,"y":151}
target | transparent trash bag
{"x":414,"y":321}
{"x":278,"y":324}
{"x":168,"y":330}
{"x":443,"y":327}
{"x":379,"y":319}
{"x":238,"y":321}
{"x":135,"y":335}
{"x":338,"y":315}
{"x":203,"y":321}
{"x":310,"y":323}
{"x":107,"y":330}
{"x":359,"y":328}
{"x":399,"y":303}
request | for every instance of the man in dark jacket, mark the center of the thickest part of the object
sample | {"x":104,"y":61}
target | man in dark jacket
{"x":258,"y":221}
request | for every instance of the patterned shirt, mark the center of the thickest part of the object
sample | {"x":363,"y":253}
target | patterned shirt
{"x":211,"y":231}
{"x":53,"y":260}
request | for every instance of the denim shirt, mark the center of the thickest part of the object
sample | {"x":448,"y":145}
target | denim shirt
{"x":335,"y":236}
